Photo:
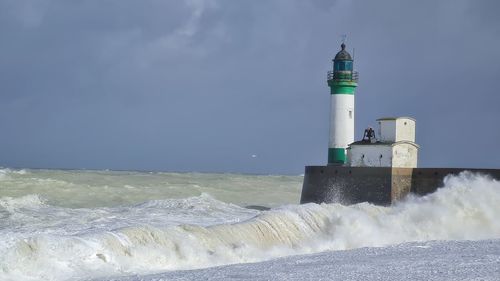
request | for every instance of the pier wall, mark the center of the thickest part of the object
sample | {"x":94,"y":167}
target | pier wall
{"x":377,"y":185}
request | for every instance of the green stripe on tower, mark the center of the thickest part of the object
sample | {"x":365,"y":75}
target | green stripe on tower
{"x":342,"y":91}
{"x":342,"y":87}
{"x":336,"y":156}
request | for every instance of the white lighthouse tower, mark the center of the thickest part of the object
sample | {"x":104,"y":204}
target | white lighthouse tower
{"x":342,"y":81}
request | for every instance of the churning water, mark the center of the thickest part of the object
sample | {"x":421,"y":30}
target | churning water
{"x":57,"y":225}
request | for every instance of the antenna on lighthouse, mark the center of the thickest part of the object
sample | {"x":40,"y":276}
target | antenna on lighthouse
{"x":344,"y":38}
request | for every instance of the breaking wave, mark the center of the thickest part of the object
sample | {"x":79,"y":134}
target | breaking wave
{"x":6,"y":173}
{"x":31,"y":201}
{"x":466,"y":208}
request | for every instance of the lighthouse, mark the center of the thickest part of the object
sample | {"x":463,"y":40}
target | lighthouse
{"x":381,"y":168}
{"x":342,"y":81}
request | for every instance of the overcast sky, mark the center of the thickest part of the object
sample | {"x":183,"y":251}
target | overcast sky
{"x":204,"y":85}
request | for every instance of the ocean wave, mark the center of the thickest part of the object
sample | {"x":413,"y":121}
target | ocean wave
{"x":28,"y":201}
{"x":465,"y":209}
{"x":13,"y":171}
{"x":204,"y":202}
{"x":6,"y":173}
{"x":34,"y":214}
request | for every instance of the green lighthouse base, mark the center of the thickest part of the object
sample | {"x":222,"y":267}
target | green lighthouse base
{"x":336,"y":156}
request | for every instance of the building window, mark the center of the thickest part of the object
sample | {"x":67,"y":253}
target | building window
{"x":350,"y":114}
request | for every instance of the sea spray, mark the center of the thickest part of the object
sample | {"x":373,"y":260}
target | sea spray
{"x":465,"y":208}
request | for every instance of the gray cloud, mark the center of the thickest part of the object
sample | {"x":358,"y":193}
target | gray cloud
{"x":203,"y":85}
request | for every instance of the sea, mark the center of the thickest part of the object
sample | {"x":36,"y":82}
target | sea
{"x":122,"y":225}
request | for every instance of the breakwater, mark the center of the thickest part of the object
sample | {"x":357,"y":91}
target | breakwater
{"x":377,"y":185}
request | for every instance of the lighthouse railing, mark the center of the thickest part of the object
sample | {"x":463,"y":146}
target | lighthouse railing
{"x":343,"y":75}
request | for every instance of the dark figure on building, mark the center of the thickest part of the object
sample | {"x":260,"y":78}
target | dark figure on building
{"x":369,"y":135}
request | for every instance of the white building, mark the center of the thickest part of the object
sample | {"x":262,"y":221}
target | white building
{"x":394,"y":146}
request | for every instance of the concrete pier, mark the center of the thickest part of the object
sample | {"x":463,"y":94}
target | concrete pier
{"x":377,"y":185}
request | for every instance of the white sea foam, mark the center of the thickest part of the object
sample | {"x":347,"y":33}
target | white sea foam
{"x":201,"y":232}
{"x":426,"y":261}
{"x":6,"y":171}
{"x":13,"y":171}
{"x":31,"y":201}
